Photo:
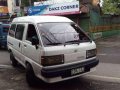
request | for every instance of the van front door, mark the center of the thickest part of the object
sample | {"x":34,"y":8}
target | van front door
{"x":29,"y":50}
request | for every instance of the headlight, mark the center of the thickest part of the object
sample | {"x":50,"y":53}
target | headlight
{"x":91,"y":53}
{"x":52,"y":60}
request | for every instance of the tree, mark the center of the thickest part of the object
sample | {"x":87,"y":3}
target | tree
{"x":28,"y":2}
{"x":111,"y":7}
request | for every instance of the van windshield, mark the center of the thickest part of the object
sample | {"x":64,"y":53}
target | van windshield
{"x":61,"y":34}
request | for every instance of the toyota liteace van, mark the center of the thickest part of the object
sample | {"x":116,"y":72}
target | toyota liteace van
{"x":51,"y":48}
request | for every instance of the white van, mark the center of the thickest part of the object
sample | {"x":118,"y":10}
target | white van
{"x":51,"y":48}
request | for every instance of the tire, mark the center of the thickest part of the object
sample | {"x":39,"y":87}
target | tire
{"x":13,"y":60}
{"x":30,"y":76}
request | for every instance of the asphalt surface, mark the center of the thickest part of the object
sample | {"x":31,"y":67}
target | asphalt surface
{"x":109,"y":56}
{"x":14,"y":79}
{"x":4,"y":57}
{"x":106,"y":76}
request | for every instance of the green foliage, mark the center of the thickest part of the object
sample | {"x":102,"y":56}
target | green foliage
{"x":27,"y":2}
{"x":111,"y":7}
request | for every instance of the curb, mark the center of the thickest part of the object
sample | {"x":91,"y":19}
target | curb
{"x":6,"y":67}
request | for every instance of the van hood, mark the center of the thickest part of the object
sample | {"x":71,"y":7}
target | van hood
{"x":72,"y":52}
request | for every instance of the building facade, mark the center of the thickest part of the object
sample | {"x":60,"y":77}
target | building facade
{"x":3,"y":2}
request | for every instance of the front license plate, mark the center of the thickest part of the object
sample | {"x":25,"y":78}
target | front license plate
{"x":77,"y":71}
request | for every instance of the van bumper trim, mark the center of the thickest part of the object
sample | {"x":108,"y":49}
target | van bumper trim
{"x":66,"y":70}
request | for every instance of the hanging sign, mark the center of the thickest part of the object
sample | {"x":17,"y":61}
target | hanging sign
{"x":55,"y":9}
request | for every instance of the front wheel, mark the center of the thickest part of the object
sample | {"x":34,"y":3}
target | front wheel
{"x":30,"y":76}
{"x":13,"y":60}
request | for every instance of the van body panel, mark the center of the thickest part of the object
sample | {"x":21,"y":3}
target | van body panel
{"x":41,"y":19}
{"x":34,"y":54}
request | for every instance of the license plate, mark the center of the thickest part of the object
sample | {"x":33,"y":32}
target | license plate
{"x":77,"y":71}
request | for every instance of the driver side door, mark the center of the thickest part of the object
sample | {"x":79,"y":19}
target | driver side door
{"x":29,"y":50}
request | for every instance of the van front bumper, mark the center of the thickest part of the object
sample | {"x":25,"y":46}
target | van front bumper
{"x":65,"y":71}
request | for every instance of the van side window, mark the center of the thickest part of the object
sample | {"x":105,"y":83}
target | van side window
{"x":31,"y":32}
{"x":12,"y":30}
{"x":19,"y":31}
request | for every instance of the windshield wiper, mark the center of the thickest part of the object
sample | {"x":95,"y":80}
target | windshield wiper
{"x":73,"y":42}
{"x":54,"y":43}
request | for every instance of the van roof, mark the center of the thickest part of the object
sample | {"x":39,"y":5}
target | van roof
{"x":40,"y":19}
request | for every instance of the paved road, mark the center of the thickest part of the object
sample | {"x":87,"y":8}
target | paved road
{"x":4,"y":57}
{"x":14,"y":79}
{"x":109,"y":55}
{"x":106,"y":76}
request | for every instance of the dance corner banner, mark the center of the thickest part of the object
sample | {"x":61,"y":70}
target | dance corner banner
{"x":55,"y":9}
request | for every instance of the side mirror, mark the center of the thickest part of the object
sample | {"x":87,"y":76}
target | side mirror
{"x":35,"y":40}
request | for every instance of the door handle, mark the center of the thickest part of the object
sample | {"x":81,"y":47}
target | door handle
{"x":25,"y":45}
{"x":19,"y":44}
